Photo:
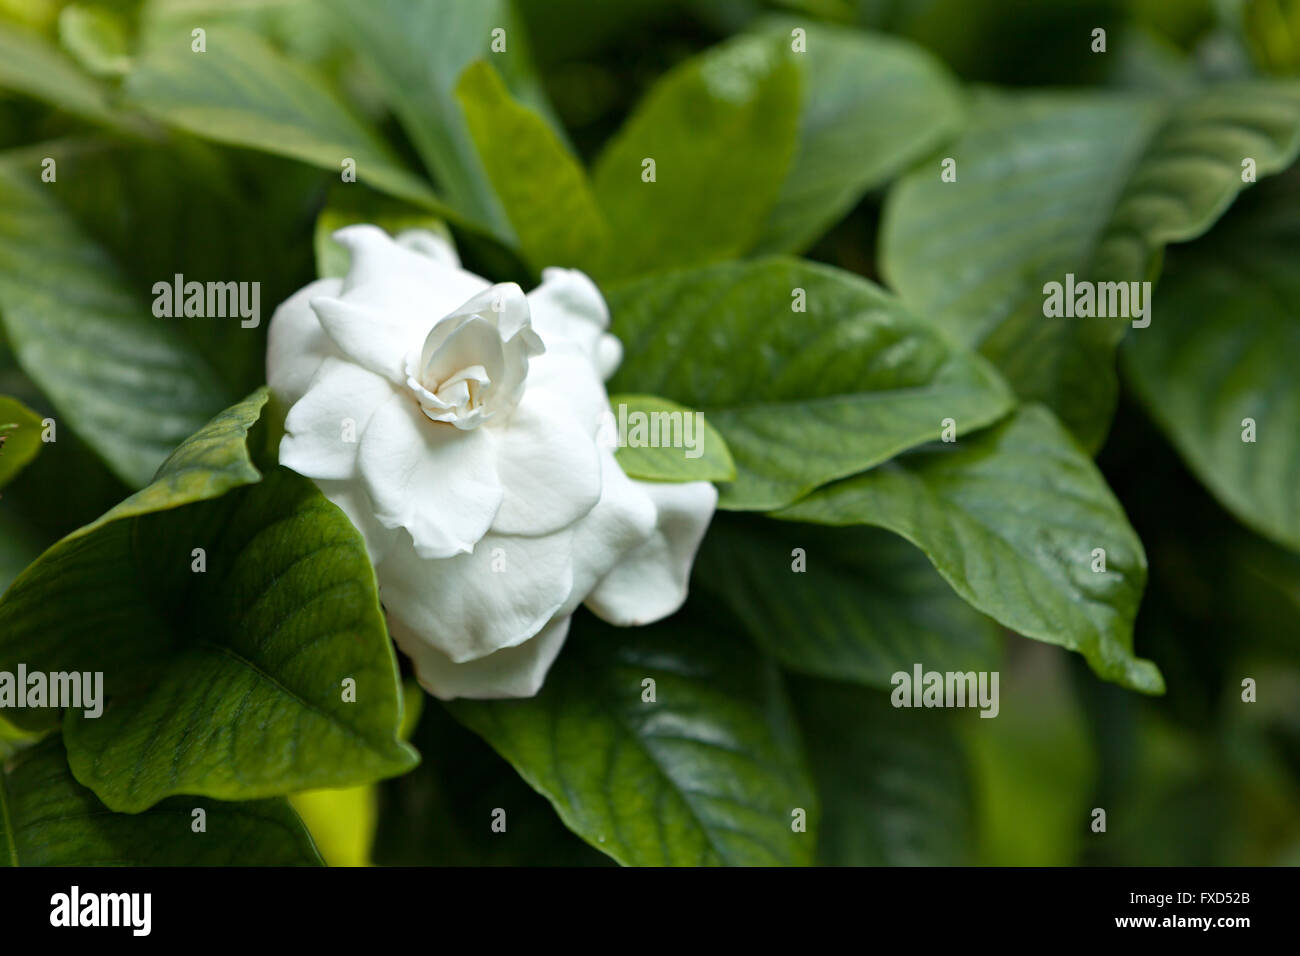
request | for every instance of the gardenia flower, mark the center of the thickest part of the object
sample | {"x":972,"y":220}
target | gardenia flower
{"x":459,"y":426}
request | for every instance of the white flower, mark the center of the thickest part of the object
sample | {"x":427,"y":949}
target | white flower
{"x":455,"y":422}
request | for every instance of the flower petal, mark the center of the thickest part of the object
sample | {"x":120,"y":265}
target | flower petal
{"x":651,"y":582}
{"x":549,"y":467}
{"x":622,"y":520}
{"x":323,"y":428}
{"x":296,"y":344}
{"x":472,"y":605}
{"x":510,"y":672}
{"x":438,"y":482}
{"x":364,"y":335}
{"x":412,"y":289}
{"x":567,"y":308}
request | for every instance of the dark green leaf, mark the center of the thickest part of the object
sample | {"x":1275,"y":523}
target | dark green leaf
{"x":721,"y":130}
{"x":131,"y":386}
{"x":709,"y":772}
{"x":1088,"y":184}
{"x":855,"y":604}
{"x":1221,"y":364}
{"x":872,"y":104}
{"x":48,"y":819}
{"x":228,"y":681}
{"x":895,"y":784}
{"x":1012,"y":517}
{"x":801,"y":398}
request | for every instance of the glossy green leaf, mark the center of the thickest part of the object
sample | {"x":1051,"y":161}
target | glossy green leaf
{"x":801,"y":397}
{"x":541,"y":185}
{"x":48,"y":819}
{"x":442,"y":812}
{"x":417,"y":50}
{"x":708,"y":772}
{"x":244,"y":92}
{"x":854,"y":604}
{"x":226,"y":678}
{"x":1094,"y":185}
{"x":1221,"y":367}
{"x":1012,"y":517}
{"x":347,"y":207}
{"x":895,"y":784}
{"x":20,"y":437}
{"x":659,"y":440}
{"x":872,"y":104}
{"x":128,"y":383}
{"x":721,"y":131}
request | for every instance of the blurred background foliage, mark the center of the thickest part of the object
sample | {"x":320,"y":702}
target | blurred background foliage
{"x":1192,"y":777}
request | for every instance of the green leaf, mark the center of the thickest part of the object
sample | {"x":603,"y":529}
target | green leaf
{"x":31,"y":65}
{"x":802,"y":398}
{"x":721,"y":130}
{"x":854,"y":604}
{"x":541,"y":185}
{"x":895,"y":784}
{"x":417,"y":50}
{"x":226,"y":681}
{"x":1089,"y":184}
{"x":244,"y":92}
{"x":441,"y":813}
{"x":347,"y":207}
{"x":1011,"y":518}
{"x":130,"y":385}
{"x":707,"y":773}
{"x":97,"y":37}
{"x":660,"y":440}
{"x":48,"y":819}
{"x":20,"y":437}
{"x":1225,"y":353}
{"x":872,"y":105}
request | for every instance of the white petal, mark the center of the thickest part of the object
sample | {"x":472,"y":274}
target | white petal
{"x":474,"y":604}
{"x":650,"y":583}
{"x":509,"y":673}
{"x":549,"y":467}
{"x":323,"y":428}
{"x":437,"y":247}
{"x":567,"y":374}
{"x":364,"y":335}
{"x":438,"y":482}
{"x":296,"y":344}
{"x":413,"y":290}
{"x":568,"y":309}
{"x":351,"y":499}
{"x":622,"y":520}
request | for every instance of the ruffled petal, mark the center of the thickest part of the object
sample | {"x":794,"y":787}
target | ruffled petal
{"x":364,"y":336}
{"x":438,"y":482}
{"x":549,"y":467}
{"x":623,"y":520}
{"x":323,"y":428}
{"x":474,"y":604}
{"x":509,"y":673}
{"x":651,"y":582}
{"x":567,"y":308}
{"x":296,"y":344}
{"x":411,"y":288}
